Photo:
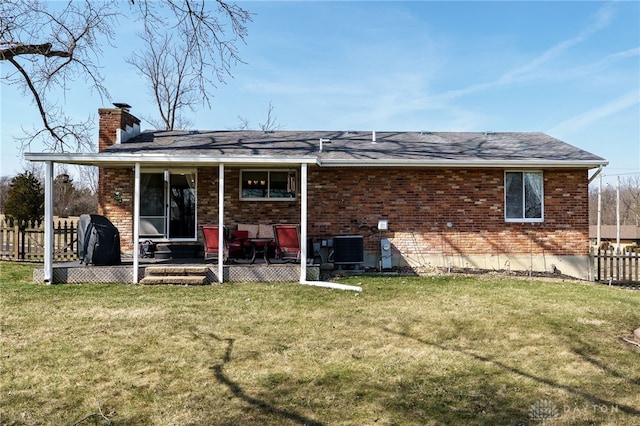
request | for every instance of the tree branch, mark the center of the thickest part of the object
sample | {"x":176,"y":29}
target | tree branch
{"x":43,"y":49}
{"x":99,"y":414}
{"x":36,"y":97}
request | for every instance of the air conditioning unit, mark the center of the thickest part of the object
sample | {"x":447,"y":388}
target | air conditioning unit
{"x":348,"y":249}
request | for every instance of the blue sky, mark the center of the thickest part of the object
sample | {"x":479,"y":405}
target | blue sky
{"x":569,"y":69}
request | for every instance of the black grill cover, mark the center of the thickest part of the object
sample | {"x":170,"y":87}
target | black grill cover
{"x":98,"y":241}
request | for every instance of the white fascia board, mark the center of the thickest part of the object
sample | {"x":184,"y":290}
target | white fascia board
{"x":463,"y":164}
{"x":115,"y":160}
{"x":121,"y":160}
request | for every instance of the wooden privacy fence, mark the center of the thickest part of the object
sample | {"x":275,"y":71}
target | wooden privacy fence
{"x":616,"y":266}
{"x":29,"y":244}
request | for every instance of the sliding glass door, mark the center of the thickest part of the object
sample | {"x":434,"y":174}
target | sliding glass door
{"x":168,"y":205}
{"x":182,"y":205}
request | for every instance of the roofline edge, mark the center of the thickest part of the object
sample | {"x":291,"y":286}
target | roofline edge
{"x":98,"y":159}
{"x":463,"y":164}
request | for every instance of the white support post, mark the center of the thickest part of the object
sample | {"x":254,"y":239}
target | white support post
{"x":221,"y":223}
{"x":136,"y":223}
{"x":303,"y":223}
{"x":618,"y":215}
{"x":48,"y":223}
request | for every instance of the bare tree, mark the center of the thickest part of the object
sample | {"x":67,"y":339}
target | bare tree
{"x":172,"y":84}
{"x":271,"y":122}
{"x":70,"y":199}
{"x":88,"y":179}
{"x":50,"y":44}
{"x":177,"y":66}
{"x":5,"y":181}
{"x":269,"y":125}
{"x":629,"y":202}
{"x":49,"y":47}
{"x":243,"y":124}
{"x":630,"y":199}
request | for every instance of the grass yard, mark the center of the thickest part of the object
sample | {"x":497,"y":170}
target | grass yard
{"x":441,"y":350}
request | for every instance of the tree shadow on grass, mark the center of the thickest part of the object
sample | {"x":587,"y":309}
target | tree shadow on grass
{"x":425,"y":396}
{"x":585,"y":352}
{"x":569,"y":389}
{"x":238,"y":392}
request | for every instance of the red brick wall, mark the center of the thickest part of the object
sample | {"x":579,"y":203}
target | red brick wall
{"x":120,"y":213}
{"x":237,"y":211}
{"x":417,"y":203}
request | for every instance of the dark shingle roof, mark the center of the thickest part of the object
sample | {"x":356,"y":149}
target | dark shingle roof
{"x":347,"y":147}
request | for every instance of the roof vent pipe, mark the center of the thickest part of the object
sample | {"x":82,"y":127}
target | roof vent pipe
{"x":323,"y":141}
{"x":373,"y":136}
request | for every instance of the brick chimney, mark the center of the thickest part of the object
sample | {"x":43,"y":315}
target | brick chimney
{"x":116,"y":126}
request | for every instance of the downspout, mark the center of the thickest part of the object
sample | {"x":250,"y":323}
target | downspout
{"x":595,"y":174}
{"x":221,"y":223}
{"x":303,"y":239}
{"x":136,"y":223}
{"x":48,"y":223}
{"x":599,"y":226}
{"x":618,"y":214}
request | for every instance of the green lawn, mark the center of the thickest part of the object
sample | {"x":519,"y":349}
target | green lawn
{"x":438,"y":350}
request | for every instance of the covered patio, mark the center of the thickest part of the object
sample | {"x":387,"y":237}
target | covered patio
{"x":136,"y":269}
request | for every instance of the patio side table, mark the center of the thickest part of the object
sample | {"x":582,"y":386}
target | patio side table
{"x":260,"y":246}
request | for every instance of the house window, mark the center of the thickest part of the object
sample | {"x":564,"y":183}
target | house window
{"x":168,"y":205}
{"x":523,"y":195}
{"x":267,"y":185}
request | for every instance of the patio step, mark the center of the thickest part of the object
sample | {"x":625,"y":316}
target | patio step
{"x":176,"y":275}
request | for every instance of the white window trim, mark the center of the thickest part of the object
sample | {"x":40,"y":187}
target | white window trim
{"x":276,"y":199}
{"x":523,"y":219}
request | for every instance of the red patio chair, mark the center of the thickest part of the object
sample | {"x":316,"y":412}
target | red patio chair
{"x":211,"y":243}
{"x":238,"y":244}
{"x":287,"y":242}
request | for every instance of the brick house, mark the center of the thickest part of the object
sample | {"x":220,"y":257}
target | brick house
{"x":515,"y":201}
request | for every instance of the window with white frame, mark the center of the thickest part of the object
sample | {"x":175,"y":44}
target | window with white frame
{"x":523,"y":196}
{"x":267,"y":184}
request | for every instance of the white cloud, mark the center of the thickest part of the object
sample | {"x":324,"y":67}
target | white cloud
{"x":588,"y":117}
{"x":600,"y":65}
{"x":602,"y":19}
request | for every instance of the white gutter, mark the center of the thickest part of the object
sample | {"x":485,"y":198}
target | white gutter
{"x":363,"y":162}
{"x":120,"y":160}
